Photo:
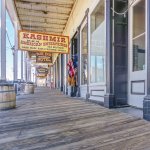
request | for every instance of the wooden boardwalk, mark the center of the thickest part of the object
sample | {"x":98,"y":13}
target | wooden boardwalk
{"x":49,"y":120}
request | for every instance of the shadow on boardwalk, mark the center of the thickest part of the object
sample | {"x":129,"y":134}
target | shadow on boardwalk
{"x":50,"y":120}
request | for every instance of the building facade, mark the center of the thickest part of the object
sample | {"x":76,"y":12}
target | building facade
{"x":110,"y":39}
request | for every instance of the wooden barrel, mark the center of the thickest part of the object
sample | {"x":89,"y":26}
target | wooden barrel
{"x":29,"y":88}
{"x":7,"y":96}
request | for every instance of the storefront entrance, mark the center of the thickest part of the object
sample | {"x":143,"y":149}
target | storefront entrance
{"x":137,"y":53}
{"x":74,"y":58}
{"x":120,"y":52}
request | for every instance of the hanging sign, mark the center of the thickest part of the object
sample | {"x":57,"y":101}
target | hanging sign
{"x":32,"y":54}
{"x":41,"y":70}
{"x":41,"y":75}
{"x":31,"y":41}
{"x":43,"y":57}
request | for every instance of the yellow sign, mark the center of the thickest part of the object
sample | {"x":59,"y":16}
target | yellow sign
{"x":30,"y":41}
{"x":41,"y":75}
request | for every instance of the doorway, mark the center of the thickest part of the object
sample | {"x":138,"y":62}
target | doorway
{"x":137,"y":54}
{"x":120,"y":52}
{"x":74,"y":58}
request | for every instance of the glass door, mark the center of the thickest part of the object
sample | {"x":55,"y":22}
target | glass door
{"x":83,"y":59}
{"x":137,"y":53}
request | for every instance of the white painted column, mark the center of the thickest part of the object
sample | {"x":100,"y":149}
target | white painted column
{"x":60,"y":72}
{"x":28,"y":71}
{"x":65,"y":74}
{"x":22,"y":60}
{"x":3,"y":41}
{"x":88,"y":59}
{"x":56,"y":74}
{"x":54,"y":77}
{"x":25,"y":68}
{"x":15,"y":56}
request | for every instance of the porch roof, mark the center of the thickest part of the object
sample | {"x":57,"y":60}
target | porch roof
{"x":48,"y":16}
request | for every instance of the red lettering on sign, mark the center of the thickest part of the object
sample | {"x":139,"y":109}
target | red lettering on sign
{"x":52,"y":39}
{"x":58,"y":39}
{"x":26,"y":35}
{"x":39,"y":37}
{"x":45,"y":38}
{"x":32,"y":36}
{"x":63,"y":40}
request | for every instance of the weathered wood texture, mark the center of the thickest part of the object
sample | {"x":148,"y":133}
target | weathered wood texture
{"x":29,"y":89}
{"x":7,"y":97}
{"x":49,"y":120}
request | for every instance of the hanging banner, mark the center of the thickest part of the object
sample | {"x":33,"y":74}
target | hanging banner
{"x":43,"y":57}
{"x":31,"y":41}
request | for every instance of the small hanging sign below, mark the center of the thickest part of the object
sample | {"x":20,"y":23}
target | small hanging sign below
{"x":41,"y":70}
{"x":41,"y":75}
{"x":43,"y":57}
{"x":41,"y":42}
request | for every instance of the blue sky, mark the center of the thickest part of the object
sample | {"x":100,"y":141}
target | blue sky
{"x":9,"y":55}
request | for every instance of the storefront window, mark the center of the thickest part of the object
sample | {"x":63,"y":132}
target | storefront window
{"x":84,"y":56}
{"x":98,"y":43}
{"x":139,"y":36}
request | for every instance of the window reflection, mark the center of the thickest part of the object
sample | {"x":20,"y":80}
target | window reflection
{"x":139,"y":53}
{"x":98,"y":43}
{"x":139,"y":36}
{"x":84,"y":56}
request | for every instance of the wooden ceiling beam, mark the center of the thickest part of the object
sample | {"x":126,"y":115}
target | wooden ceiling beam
{"x":35,"y":6}
{"x":49,"y":19}
{"x":62,"y":2}
{"x":42,"y":22}
{"x":41,"y":14}
{"x":57,"y":22}
{"x":46,"y":32}
{"x":44,"y":11}
{"x":47,"y":4}
{"x":44,"y":27}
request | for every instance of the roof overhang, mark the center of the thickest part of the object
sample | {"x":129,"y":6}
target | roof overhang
{"x":49,"y":16}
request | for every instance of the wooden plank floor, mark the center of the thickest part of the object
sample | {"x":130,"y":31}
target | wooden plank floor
{"x":50,"y":120}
